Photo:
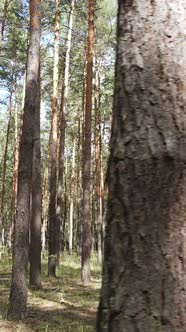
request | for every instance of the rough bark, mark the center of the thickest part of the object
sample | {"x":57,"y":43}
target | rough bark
{"x":145,"y":247}
{"x":52,"y":255}
{"x":86,"y":170}
{"x":35,"y":225}
{"x":18,"y":292}
{"x":62,"y":124}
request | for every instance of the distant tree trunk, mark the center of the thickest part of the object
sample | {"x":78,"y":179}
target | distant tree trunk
{"x":5,"y":155}
{"x":63,"y":241}
{"x":98,"y":159}
{"x":52,"y":258}
{"x":72,"y":188}
{"x":15,"y":178}
{"x":62,"y":124}
{"x":100,"y":203}
{"x":79,"y":185}
{"x":145,"y":246}
{"x":3,"y":20}
{"x":35,"y":243}
{"x":18,"y":292}
{"x":86,"y":229}
{"x":45,"y":204}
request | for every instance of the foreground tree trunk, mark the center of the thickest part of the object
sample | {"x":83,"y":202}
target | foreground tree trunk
{"x":86,"y":169}
{"x":18,"y":292}
{"x":145,"y":247}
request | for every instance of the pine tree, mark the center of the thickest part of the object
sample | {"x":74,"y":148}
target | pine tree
{"x":52,"y":259}
{"x":145,"y":254}
{"x":18,"y":292}
{"x":86,"y":174}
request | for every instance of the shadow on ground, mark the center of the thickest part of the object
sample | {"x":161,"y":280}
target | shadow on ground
{"x":62,"y":304}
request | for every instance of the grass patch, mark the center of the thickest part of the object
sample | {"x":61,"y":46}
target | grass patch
{"x":62,"y":304}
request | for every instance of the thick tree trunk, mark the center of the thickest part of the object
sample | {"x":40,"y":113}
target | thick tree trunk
{"x":35,"y":226}
{"x":145,"y":247}
{"x":86,"y":174}
{"x":62,"y":125}
{"x":52,"y":256}
{"x":18,"y":292}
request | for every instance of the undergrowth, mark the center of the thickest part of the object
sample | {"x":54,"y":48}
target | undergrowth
{"x":62,"y":304}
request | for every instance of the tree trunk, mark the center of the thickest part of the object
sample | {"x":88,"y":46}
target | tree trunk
{"x":45,"y":204}
{"x":52,"y":258}
{"x":79,"y":185}
{"x":15,"y":178}
{"x":72,"y":188}
{"x":3,"y":20}
{"x":35,"y":243}
{"x":62,"y":125}
{"x":98,"y":159}
{"x":86,"y":178}
{"x":145,"y":247}
{"x":5,"y":155}
{"x":18,"y":292}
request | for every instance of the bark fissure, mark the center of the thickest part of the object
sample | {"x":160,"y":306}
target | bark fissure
{"x":145,"y":231}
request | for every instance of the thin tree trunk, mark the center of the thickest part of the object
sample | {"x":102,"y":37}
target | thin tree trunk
{"x":45,"y":204}
{"x":98,"y":159}
{"x":86,"y":231}
{"x":100,"y":202}
{"x":52,"y":256}
{"x":15,"y":178}
{"x":18,"y":291}
{"x":145,"y":244}
{"x":3,"y":20}
{"x":5,"y":156}
{"x":62,"y":125}
{"x":79,"y":185}
{"x":72,"y":188}
{"x":35,"y":243}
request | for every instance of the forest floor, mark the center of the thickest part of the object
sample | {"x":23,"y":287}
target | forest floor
{"x":62,"y":304}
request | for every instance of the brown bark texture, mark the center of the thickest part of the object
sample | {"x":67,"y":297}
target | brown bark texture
{"x":18,"y":292}
{"x":86,"y":150}
{"x":144,"y":283}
